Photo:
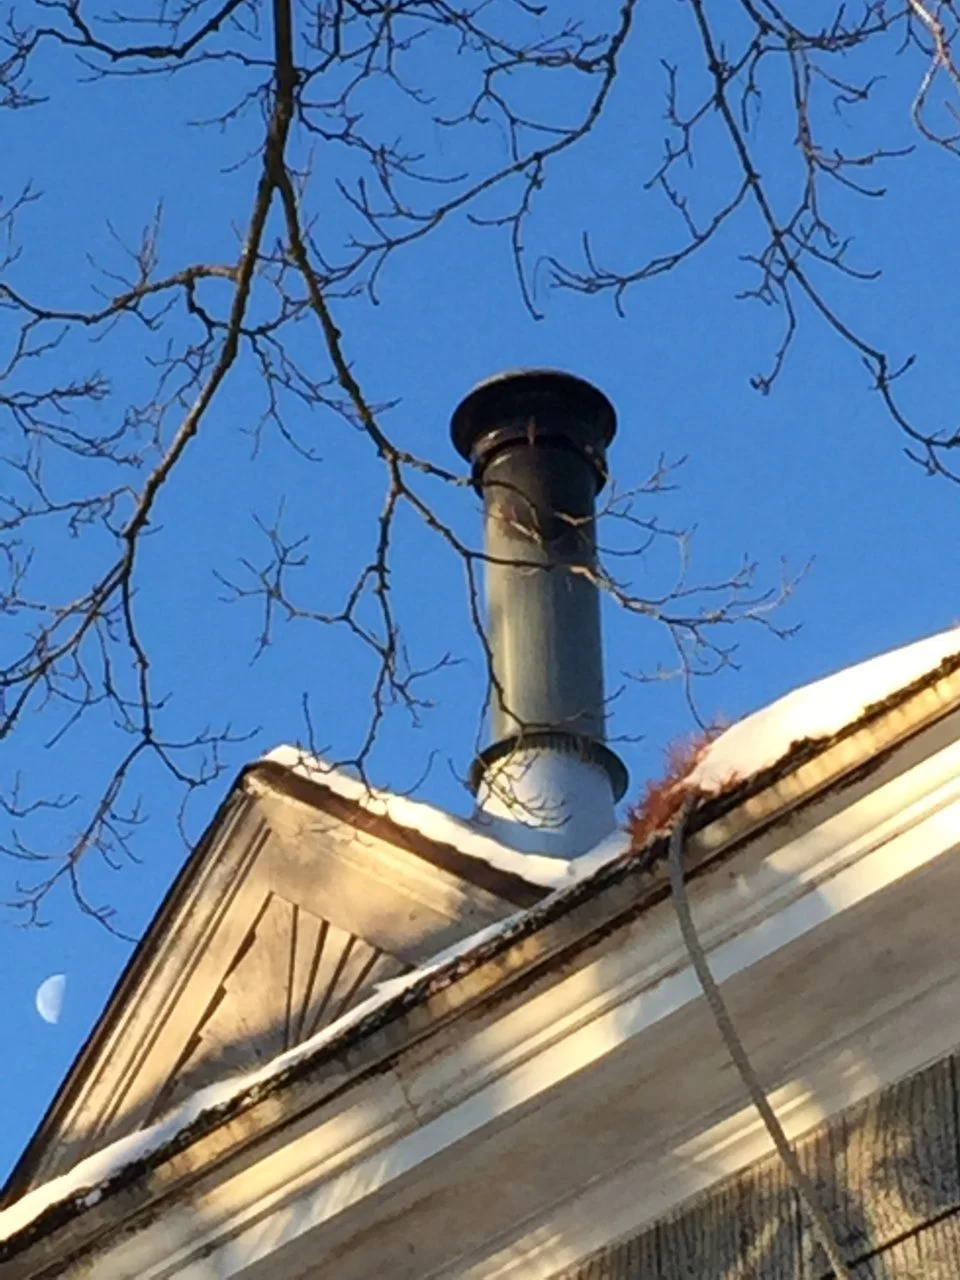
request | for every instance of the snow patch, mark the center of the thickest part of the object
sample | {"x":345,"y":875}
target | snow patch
{"x":816,"y":710}
{"x":615,"y":845}
{"x":85,"y":1181}
{"x":442,"y":828}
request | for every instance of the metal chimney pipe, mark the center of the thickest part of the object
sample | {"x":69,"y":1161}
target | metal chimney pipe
{"x":537,"y":444}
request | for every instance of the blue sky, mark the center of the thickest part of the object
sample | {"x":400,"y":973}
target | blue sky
{"x":812,"y":472}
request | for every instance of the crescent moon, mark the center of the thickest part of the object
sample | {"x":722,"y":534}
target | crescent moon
{"x":50,"y":997}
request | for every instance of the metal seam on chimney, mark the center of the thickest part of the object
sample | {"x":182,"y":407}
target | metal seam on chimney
{"x":537,"y":442}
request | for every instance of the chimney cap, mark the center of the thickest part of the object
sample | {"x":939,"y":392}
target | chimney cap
{"x":567,"y":406}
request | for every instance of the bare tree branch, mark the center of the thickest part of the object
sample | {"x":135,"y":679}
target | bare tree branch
{"x":359,"y":150}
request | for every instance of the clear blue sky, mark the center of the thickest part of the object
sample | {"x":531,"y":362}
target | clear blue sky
{"x":815,"y":470}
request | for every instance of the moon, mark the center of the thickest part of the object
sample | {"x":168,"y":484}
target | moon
{"x":50,"y":997}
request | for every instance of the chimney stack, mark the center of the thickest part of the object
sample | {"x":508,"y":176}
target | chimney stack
{"x":537,"y":441}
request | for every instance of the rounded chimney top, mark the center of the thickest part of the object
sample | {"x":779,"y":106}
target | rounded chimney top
{"x":545,"y":406}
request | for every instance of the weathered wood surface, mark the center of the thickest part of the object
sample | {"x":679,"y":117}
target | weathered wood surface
{"x":932,"y":1254}
{"x":745,"y":1225}
{"x":283,"y":919}
{"x":886,"y":1172}
{"x":293,"y":973}
{"x":888,"y":1165}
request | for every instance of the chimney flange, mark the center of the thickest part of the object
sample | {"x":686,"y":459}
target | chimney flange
{"x":591,"y":750}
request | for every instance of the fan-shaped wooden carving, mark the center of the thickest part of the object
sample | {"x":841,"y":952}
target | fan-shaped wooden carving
{"x":292,"y":974}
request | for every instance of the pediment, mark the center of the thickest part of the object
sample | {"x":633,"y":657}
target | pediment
{"x":292,"y":908}
{"x":293,"y":972}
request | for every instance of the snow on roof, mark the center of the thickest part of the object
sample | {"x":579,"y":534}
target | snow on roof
{"x":814,"y":711}
{"x":442,"y":828}
{"x":817,"y":710}
{"x":86,"y":1181}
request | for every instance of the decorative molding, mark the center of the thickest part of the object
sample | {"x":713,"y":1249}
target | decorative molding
{"x":292,"y":973}
{"x":501,"y":885}
{"x":93,"y":1103}
{"x":281,"y":918}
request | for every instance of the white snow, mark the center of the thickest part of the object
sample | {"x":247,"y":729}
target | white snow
{"x":85,"y":1179}
{"x":613,"y":846}
{"x":440,"y":827}
{"x":816,"y":710}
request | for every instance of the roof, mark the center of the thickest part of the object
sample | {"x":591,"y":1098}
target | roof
{"x":88,"y":1181}
{"x":441,"y":829}
{"x":299,"y":865}
{"x":892,"y":697}
{"x":818,"y":711}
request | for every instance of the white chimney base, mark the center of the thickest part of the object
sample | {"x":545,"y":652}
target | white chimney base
{"x":546,"y":800}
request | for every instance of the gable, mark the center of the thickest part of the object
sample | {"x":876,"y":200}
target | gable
{"x":292,"y":908}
